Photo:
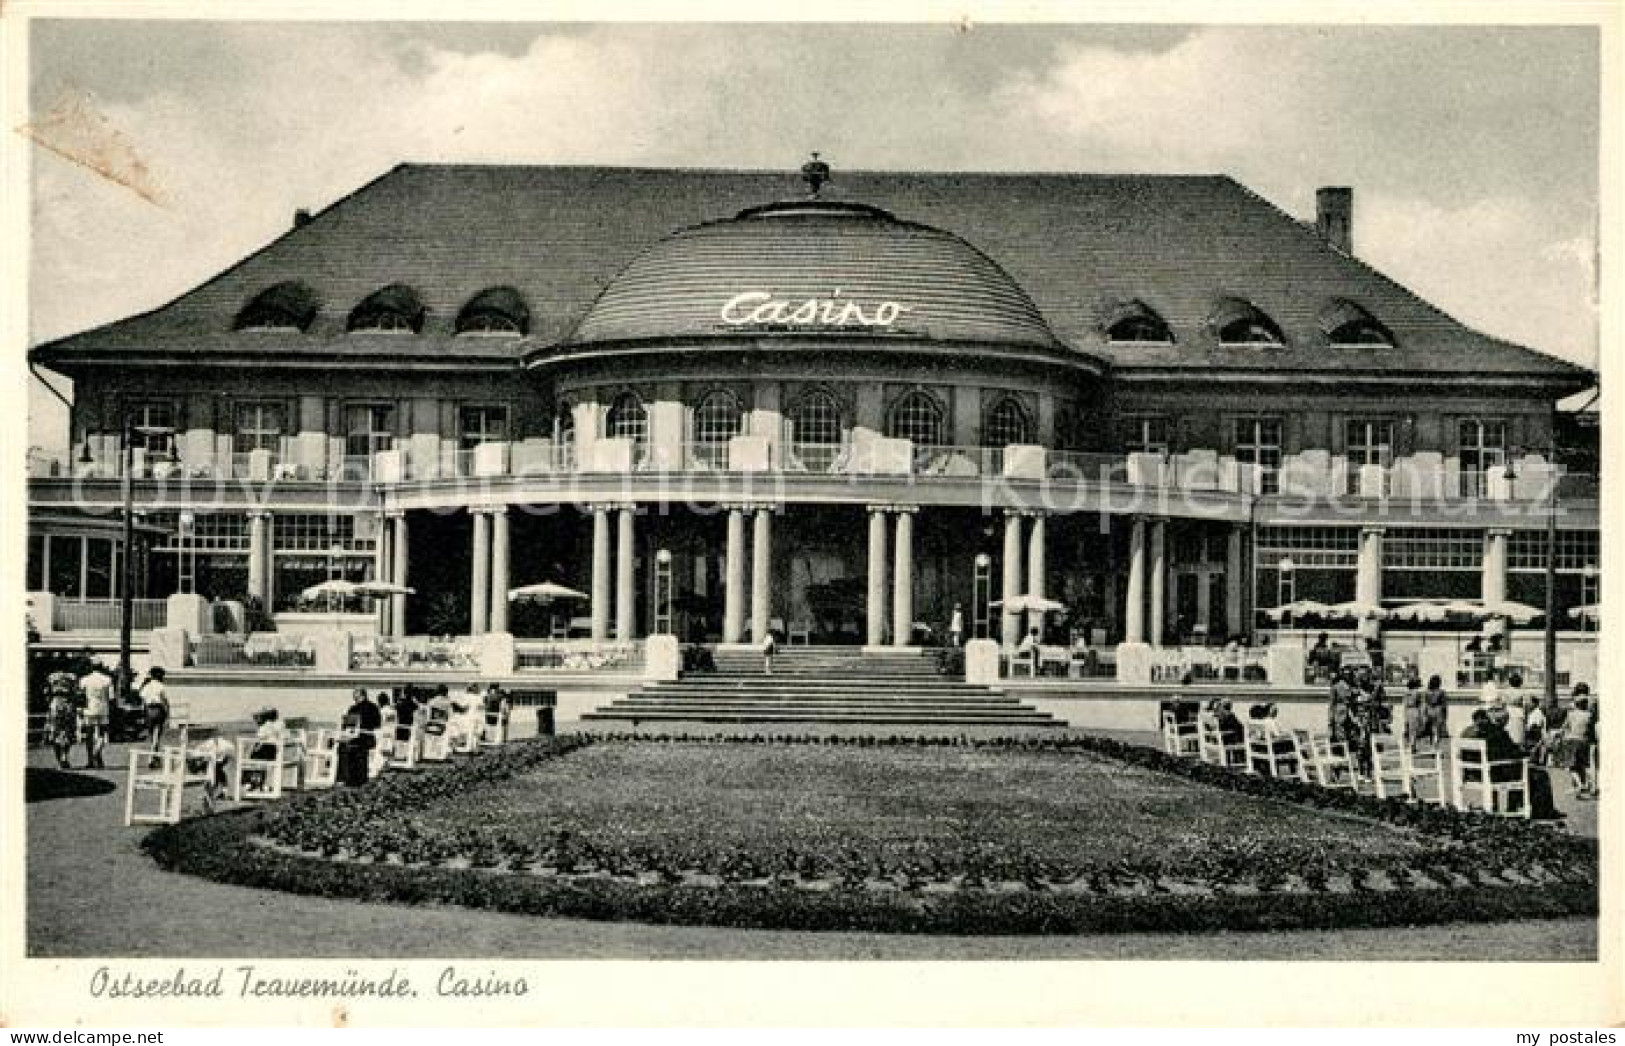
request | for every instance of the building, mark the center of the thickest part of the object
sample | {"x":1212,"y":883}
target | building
{"x":1160,"y":401}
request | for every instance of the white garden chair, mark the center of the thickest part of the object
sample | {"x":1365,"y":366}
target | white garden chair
{"x":1180,"y":739}
{"x":163,"y":775}
{"x":1330,"y":761}
{"x":405,"y":745}
{"x":1212,"y":746}
{"x":494,"y":730}
{"x":435,"y":746}
{"x":262,"y":768}
{"x":1425,"y":774}
{"x":322,"y":759}
{"x":1389,"y":775}
{"x":1272,"y":752}
{"x":1472,"y":771}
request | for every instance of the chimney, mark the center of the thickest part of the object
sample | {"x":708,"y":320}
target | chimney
{"x":301,"y":217}
{"x":1334,"y":216}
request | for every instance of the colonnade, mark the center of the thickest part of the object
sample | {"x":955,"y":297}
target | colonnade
{"x":898,"y":549}
{"x":760,"y":559}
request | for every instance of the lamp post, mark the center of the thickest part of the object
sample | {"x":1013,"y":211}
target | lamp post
{"x":1286,"y":587}
{"x":126,"y":604}
{"x":981,"y":593}
{"x":663,"y":622}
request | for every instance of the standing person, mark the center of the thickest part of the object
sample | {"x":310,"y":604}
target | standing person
{"x":155,"y":700}
{"x":1415,"y":712}
{"x":770,"y":647}
{"x":1435,"y":711}
{"x":1579,"y":734}
{"x":1534,"y":730}
{"x":62,"y":718}
{"x":956,"y":627}
{"x":97,"y":688}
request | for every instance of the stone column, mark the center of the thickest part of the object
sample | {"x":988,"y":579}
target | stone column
{"x":1495,"y":566}
{"x":259,"y":556}
{"x":1010,"y":586}
{"x":479,"y":602}
{"x":1134,"y":602}
{"x":1368,"y":567}
{"x":399,"y":547}
{"x":733,"y":592}
{"x":626,"y":603}
{"x":499,"y":570}
{"x":1036,"y":567}
{"x":1159,"y":580}
{"x":1234,"y":582}
{"x":903,"y":581}
{"x":876,"y":606}
{"x":600,"y":572}
{"x":761,"y":573}
{"x":382,"y":563}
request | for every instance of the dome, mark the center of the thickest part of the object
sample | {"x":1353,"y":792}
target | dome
{"x":814,"y":269}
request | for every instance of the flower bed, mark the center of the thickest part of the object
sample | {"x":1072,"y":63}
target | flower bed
{"x":376,"y":842}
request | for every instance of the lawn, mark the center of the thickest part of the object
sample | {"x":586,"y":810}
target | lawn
{"x":686,"y":800}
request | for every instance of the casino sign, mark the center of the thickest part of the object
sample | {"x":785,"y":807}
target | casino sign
{"x":761,"y":309}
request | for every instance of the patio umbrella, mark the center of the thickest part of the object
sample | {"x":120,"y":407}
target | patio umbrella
{"x":543,"y":592}
{"x":1587,"y":612}
{"x":329,"y":589}
{"x":1358,"y":611}
{"x":1297,"y":608}
{"x":1517,"y":613}
{"x":1422,"y":610}
{"x":383,"y":588}
{"x":1029,"y":604}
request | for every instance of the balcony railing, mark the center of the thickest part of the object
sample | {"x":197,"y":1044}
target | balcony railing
{"x":102,"y":615}
{"x":1198,"y":470}
{"x":257,"y":651}
{"x":579,"y":655}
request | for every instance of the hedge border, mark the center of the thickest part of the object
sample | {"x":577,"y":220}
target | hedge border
{"x":224,"y":848}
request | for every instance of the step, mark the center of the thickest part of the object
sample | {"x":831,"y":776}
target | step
{"x":700,"y":716}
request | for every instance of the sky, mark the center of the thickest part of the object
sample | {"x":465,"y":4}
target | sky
{"x":1472,"y":151}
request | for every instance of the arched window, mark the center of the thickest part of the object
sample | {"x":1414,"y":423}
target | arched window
{"x":628,"y":420}
{"x":285,"y":306}
{"x":1238,"y":322}
{"x":717,"y":420}
{"x":917,"y":417}
{"x":1006,"y":423}
{"x":1136,"y":321}
{"x":394,"y":309}
{"x":816,"y":433}
{"x":496,"y":311}
{"x":1346,"y":323}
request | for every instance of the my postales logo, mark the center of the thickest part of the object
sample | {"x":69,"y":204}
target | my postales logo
{"x":761,"y":309}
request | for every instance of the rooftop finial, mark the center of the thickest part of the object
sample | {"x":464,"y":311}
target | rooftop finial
{"x":815,"y":173}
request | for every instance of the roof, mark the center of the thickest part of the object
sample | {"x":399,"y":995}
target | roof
{"x":1078,"y":245}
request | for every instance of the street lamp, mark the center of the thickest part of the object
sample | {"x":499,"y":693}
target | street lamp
{"x":981,"y":594}
{"x":128,"y":430}
{"x":663,"y":625}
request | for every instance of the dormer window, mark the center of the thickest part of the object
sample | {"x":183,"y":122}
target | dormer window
{"x":495,"y":312}
{"x":1238,"y":322}
{"x":1346,"y":323}
{"x":395,"y":309}
{"x":1135,"y":321}
{"x":287,"y":306}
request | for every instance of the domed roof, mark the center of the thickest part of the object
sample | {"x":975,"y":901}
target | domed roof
{"x":814,"y":268}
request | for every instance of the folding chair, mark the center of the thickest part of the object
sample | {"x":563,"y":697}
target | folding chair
{"x":1213,"y":748}
{"x":435,"y":745}
{"x":1389,"y":774}
{"x":1330,"y":761}
{"x":494,"y":731}
{"x":405,"y":746}
{"x":261,"y":767}
{"x":1472,"y":770}
{"x":322,"y":760}
{"x":1272,"y":752}
{"x":1421,"y":767}
{"x":1180,"y":739}
{"x":160,"y":774}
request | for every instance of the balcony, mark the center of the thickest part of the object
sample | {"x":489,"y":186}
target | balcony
{"x":1312,"y":475}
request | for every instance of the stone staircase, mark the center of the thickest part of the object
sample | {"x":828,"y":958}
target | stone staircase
{"x":823,"y":686}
